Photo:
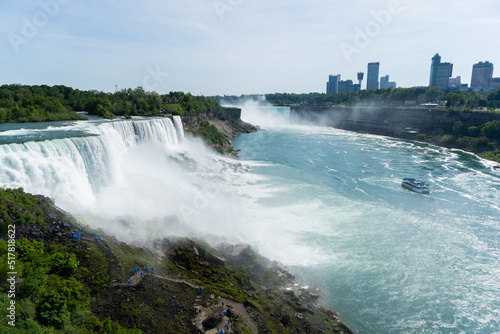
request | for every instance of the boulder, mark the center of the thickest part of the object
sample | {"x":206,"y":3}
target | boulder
{"x":285,"y":320}
{"x":213,"y":318}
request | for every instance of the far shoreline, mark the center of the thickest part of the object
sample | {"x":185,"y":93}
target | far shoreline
{"x":439,"y":127}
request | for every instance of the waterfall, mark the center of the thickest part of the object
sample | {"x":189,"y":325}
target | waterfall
{"x":75,"y":169}
{"x":159,"y":130}
{"x":178,"y":127}
{"x":135,"y":179}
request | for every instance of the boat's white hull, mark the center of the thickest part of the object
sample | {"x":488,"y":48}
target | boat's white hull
{"x":423,"y":190}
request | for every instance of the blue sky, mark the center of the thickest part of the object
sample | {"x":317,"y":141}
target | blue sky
{"x":239,"y":46}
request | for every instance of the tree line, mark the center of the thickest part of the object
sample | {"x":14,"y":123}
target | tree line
{"x":23,"y":103}
{"x":482,"y":140}
{"x":467,"y":100}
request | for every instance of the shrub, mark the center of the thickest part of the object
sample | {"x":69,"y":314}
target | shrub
{"x":447,"y":140}
{"x":63,"y":263}
{"x":474,"y":131}
{"x":210,"y":133}
{"x":491,"y":129}
{"x":25,"y":247}
{"x":52,"y":310}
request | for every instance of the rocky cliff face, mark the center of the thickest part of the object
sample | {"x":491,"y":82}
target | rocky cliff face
{"x":228,"y":125}
{"x":397,"y":122}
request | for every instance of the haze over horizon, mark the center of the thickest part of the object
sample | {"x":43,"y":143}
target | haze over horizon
{"x":233,"y":47}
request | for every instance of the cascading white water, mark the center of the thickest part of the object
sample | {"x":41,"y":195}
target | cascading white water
{"x":178,"y":127}
{"x":135,"y":179}
{"x":74,"y":170}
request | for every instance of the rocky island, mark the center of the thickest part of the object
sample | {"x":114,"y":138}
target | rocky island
{"x":218,"y":128}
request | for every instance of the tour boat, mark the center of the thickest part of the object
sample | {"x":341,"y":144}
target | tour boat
{"x":415,"y":185}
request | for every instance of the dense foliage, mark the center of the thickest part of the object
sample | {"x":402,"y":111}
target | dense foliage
{"x":17,"y":207}
{"x":19,"y":103}
{"x":53,"y":295}
{"x":393,"y":97}
{"x":483,"y":140}
{"x":53,"y":281}
{"x":36,"y":104}
{"x":189,"y":104}
{"x":210,"y":133}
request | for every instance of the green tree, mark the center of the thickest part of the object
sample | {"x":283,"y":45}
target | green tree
{"x":459,"y":128}
{"x":447,"y":140}
{"x":24,"y":247}
{"x":492,"y":105}
{"x":474,"y":131}
{"x":491,"y":129}
{"x":63,"y":263}
{"x":53,"y":311}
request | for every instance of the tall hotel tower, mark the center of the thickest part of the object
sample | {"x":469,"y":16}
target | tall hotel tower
{"x":482,"y":73}
{"x":372,"y":76}
{"x":440,"y":72}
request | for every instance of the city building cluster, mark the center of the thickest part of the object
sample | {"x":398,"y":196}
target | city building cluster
{"x":481,"y":80}
{"x":440,"y":76}
{"x":337,"y":86}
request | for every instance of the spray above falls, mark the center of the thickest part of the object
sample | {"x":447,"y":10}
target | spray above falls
{"x":142,"y":179}
{"x":136,"y":179}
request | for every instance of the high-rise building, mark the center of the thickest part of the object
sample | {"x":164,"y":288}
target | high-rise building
{"x":436,"y":60}
{"x":440,"y":72}
{"x":361,"y":75}
{"x":482,"y":74}
{"x":332,"y":86}
{"x":337,"y":86}
{"x":372,"y":76}
{"x":355,"y":88}
{"x":495,"y":83}
{"x":385,"y":83}
{"x":457,"y":82}
{"x":347,"y":86}
{"x":344,"y":86}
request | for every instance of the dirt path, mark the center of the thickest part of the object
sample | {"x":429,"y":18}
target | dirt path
{"x":223,"y":305}
{"x":240,"y":310}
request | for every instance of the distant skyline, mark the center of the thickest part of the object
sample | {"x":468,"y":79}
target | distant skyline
{"x":233,"y":47}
